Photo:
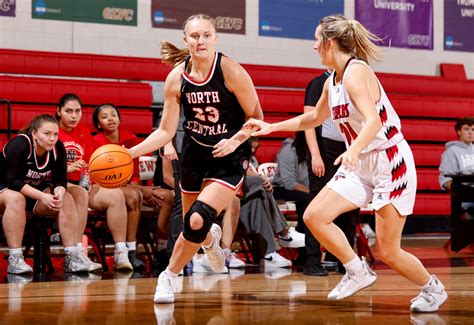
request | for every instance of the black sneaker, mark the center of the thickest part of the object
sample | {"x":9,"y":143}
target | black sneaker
{"x":315,"y":269}
{"x":137,"y":263}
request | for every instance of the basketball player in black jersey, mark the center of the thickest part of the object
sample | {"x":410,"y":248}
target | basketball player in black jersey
{"x":217,"y":96}
{"x":34,"y":165}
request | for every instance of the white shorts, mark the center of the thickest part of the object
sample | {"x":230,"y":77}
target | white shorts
{"x":383,"y":177}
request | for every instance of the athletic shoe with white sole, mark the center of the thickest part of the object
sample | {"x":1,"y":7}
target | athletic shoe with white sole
{"x":232,"y":260}
{"x":275,"y":260}
{"x":164,"y":293}
{"x":352,"y":282}
{"x":201,"y":265}
{"x":17,"y":265}
{"x":430,"y":298}
{"x":93,"y":266}
{"x":293,"y":239}
{"x":122,"y":263}
{"x":215,"y":253}
{"x":73,"y":263}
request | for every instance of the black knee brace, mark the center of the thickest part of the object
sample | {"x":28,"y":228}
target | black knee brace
{"x":208,"y":215}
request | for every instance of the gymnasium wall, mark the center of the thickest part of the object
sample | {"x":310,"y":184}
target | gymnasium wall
{"x":23,"y":32}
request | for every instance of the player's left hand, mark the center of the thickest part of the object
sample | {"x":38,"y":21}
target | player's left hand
{"x":225,"y":147}
{"x":349,"y":159}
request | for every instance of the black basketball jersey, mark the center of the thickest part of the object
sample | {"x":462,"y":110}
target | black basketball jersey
{"x":211,"y":111}
{"x":21,"y":166}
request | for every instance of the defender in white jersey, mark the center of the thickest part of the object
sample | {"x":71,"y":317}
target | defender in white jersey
{"x":377,"y":167}
{"x":386,"y":162}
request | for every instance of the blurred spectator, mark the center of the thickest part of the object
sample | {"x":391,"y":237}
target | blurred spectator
{"x":458,"y":158}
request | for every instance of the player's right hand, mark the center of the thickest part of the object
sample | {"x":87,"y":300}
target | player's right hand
{"x":169,"y":152}
{"x":262,"y":127}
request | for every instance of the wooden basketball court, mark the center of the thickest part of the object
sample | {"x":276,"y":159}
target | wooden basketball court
{"x":276,"y":296}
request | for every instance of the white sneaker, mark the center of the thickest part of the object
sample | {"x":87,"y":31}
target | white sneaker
{"x":429,"y":299}
{"x":73,"y":263}
{"x":275,"y":260}
{"x":293,"y":239}
{"x":352,"y":282}
{"x":216,"y":254}
{"x":17,"y":265}
{"x":93,"y":266}
{"x":121,"y":260}
{"x":232,"y":260}
{"x":164,"y":293}
{"x":201,"y":265}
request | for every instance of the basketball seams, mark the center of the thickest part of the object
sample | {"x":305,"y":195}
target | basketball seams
{"x":92,"y":159}
{"x":113,"y":167}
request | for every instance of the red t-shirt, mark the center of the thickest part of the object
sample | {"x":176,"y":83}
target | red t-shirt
{"x":79,"y":144}
{"x":126,"y":139}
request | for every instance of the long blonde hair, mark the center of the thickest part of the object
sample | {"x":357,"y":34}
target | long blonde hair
{"x":351,"y":36}
{"x":172,"y":55}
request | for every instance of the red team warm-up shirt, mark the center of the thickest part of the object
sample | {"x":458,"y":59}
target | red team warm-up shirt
{"x":79,"y":144}
{"x":127,"y":139}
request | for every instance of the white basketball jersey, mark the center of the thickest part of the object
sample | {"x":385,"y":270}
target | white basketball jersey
{"x":350,"y":121}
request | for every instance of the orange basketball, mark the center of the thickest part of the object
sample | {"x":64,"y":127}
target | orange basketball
{"x":111,"y":166}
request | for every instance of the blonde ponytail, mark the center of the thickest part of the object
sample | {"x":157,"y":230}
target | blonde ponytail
{"x":351,"y":37}
{"x":171,"y":55}
{"x":364,"y":46}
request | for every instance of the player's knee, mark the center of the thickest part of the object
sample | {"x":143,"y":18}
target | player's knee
{"x":133,"y":199}
{"x":198,"y":221}
{"x":15,"y":201}
{"x":307,"y":217}
{"x":115,"y":195}
{"x":387,"y":254}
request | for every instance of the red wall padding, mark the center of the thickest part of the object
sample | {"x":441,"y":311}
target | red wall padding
{"x":432,"y":204}
{"x":428,"y":130}
{"x":432,"y":106}
{"x":81,"y":65}
{"x":428,"y":179}
{"x":130,"y":68}
{"x":292,"y":101}
{"x":45,"y":90}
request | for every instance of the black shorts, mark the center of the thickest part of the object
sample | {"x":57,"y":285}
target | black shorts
{"x":31,"y":203}
{"x":198,"y":165}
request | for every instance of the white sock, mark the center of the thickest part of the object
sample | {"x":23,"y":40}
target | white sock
{"x":428,"y":284}
{"x":170,"y":273}
{"x":132,"y":245}
{"x":120,"y":246}
{"x":79,"y":247}
{"x":70,"y":249}
{"x":354,"y":265}
{"x":15,"y":252}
